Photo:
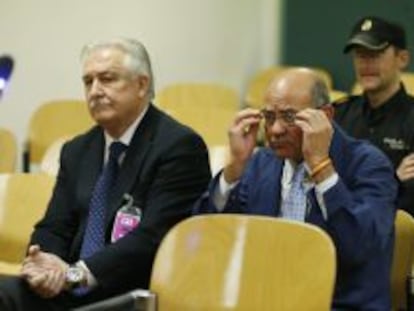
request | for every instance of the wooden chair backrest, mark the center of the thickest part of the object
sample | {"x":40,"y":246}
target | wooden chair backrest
{"x":258,"y":84}
{"x":8,"y":151}
{"x":239,"y":262}
{"x":207,"y":108}
{"x":406,"y":77}
{"x":53,"y":120}
{"x":403,"y":259}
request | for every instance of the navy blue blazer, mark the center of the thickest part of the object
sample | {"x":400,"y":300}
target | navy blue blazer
{"x":360,"y":210}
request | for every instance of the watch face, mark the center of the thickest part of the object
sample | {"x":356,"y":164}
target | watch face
{"x":74,"y":275}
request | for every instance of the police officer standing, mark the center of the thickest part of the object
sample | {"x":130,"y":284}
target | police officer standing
{"x":384,"y":113}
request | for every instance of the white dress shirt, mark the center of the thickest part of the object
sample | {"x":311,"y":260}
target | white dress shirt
{"x":221,"y":193}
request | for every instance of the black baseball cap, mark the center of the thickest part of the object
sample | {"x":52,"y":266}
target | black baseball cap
{"x":375,"y":33}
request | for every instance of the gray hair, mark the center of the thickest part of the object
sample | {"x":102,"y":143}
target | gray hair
{"x":137,"y":60}
{"x":319,"y":93}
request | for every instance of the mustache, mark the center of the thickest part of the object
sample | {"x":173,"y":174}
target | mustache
{"x":278,"y":140}
{"x":98,"y":102}
{"x":367,"y":72}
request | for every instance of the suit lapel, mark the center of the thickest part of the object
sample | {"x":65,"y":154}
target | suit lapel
{"x":264,"y":197}
{"x":338,"y":151}
{"x":278,"y":190}
{"x":91,"y":167}
{"x":134,"y":159}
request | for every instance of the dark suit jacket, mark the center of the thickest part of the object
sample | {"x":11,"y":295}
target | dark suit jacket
{"x":165,"y":169}
{"x":360,"y":209}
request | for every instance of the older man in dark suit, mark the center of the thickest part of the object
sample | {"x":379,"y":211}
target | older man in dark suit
{"x":81,"y":250}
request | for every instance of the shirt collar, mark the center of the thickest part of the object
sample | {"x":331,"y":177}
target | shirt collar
{"x":126,"y":137}
{"x":289,"y":168}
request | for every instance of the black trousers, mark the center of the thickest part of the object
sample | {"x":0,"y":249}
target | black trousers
{"x":16,"y":295}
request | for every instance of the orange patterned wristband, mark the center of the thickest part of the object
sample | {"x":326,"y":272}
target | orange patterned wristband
{"x":320,"y":166}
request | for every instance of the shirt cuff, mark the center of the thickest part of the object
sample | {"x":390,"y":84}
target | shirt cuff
{"x":327,"y":184}
{"x":90,"y":279}
{"x":221,"y":193}
{"x":323,"y":187}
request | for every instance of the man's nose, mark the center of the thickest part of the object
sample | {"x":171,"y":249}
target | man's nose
{"x":96,"y":88}
{"x":278,"y":127}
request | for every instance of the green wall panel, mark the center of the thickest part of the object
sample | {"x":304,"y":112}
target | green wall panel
{"x":315,"y":32}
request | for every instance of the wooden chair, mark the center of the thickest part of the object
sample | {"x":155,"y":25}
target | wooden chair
{"x":23,"y":200}
{"x":8,"y":151}
{"x":403,"y":259}
{"x":205,"y":107}
{"x":239,"y":262}
{"x":258,"y":84}
{"x":51,"y":121}
{"x":50,"y":162}
{"x":336,"y":94}
{"x":406,"y":77}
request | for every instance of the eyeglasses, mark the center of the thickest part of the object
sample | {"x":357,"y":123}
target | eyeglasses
{"x":286,"y":118}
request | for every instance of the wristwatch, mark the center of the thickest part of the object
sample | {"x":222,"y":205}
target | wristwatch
{"x":75,"y":277}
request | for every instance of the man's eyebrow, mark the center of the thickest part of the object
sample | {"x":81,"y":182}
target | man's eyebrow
{"x":287,"y":110}
{"x":283,"y":109}
{"x":99,"y":74}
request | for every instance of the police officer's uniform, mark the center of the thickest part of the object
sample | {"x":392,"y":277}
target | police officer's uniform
{"x":390,"y":126}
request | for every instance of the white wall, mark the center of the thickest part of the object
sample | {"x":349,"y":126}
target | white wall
{"x":189,"y":40}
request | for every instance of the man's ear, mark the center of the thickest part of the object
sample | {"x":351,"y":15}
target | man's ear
{"x":404,"y":59}
{"x":329,"y":111}
{"x":143,"y":85}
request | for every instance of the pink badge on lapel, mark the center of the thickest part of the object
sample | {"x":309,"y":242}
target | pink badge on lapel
{"x":127,"y":218}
